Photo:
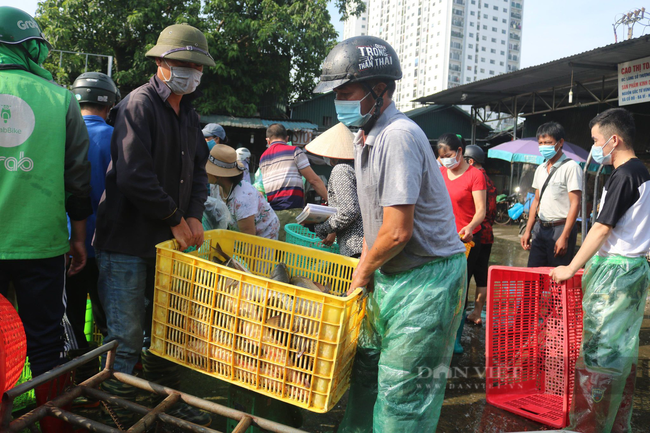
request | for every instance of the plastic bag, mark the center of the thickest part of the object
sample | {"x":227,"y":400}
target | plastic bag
{"x":216,"y":214}
{"x":515,"y":211}
{"x":405,"y":347}
{"x":615,"y":290}
{"x":259,"y":184}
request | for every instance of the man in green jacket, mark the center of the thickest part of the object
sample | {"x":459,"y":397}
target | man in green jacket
{"x":44,"y":173}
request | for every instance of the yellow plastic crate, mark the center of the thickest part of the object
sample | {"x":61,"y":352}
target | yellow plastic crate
{"x":214,"y":319}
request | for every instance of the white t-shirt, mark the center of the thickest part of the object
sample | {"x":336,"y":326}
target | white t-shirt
{"x":245,"y":201}
{"x":555,"y":202}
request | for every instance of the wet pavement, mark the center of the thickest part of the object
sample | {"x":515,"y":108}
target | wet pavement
{"x":464,"y":409}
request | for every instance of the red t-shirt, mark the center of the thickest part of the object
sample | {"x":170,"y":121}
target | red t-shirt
{"x":460,"y":191}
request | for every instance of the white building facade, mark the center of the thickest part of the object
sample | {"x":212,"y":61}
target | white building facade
{"x":444,"y":43}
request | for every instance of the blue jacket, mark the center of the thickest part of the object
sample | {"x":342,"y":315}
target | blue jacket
{"x":99,"y":156}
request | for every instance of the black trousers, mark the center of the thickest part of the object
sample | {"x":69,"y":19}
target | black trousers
{"x":543,"y":244}
{"x":78,"y":288}
{"x":40,"y":286}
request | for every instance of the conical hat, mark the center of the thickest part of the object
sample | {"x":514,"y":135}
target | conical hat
{"x":337,"y":142}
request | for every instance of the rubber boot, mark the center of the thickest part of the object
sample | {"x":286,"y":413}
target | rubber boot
{"x":48,"y":392}
{"x":458,"y":348}
{"x":166,"y":373}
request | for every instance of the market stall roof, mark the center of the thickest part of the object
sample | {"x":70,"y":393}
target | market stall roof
{"x":256,"y":122}
{"x":594,"y":72}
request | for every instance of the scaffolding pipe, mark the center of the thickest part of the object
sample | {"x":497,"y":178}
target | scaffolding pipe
{"x":584,"y":213}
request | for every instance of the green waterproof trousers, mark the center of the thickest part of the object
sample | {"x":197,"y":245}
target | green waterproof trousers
{"x":615,"y":290}
{"x":405,"y":347}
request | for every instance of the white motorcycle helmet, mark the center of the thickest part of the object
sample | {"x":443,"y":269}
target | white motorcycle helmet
{"x":243,"y":154}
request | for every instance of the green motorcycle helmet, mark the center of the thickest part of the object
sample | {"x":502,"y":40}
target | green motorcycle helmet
{"x":17,"y":26}
{"x":184,"y":43}
{"x":95,"y":88}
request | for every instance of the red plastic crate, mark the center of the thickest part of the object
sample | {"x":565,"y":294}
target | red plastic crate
{"x":533,"y":336}
{"x":13,"y":345}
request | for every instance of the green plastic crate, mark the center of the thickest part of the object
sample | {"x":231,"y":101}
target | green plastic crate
{"x":299,"y":235}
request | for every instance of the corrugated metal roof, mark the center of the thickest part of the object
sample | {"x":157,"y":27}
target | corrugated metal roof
{"x":586,"y":66}
{"x":292,"y":125}
{"x":256,"y":122}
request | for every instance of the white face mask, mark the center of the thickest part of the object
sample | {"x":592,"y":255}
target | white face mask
{"x":450,"y":163}
{"x":182,"y":80}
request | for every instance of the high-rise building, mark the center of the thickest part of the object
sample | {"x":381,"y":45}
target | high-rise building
{"x":356,"y":26}
{"x":444,"y":43}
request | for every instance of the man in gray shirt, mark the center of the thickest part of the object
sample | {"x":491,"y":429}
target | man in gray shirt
{"x":411,"y":248}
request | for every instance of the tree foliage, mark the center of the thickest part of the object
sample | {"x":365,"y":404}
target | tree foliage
{"x":268,"y":52}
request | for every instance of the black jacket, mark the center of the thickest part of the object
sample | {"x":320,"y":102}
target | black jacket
{"x":157,"y":172}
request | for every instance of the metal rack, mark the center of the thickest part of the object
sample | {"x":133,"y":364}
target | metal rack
{"x":149,"y":416}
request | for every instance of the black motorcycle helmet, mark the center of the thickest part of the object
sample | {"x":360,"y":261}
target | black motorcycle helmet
{"x":475,"y":152}
{"x":95,"y":88}
{"x":357,"y":59}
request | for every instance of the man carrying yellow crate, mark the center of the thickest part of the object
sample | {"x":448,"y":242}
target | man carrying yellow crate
{"x":615,"y":282}
{"x":411,"y":248}
{"x":156,"y":187}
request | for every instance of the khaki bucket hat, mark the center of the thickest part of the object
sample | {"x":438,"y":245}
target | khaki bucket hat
{"x":223,"y":162}
{"x":337,"y":143}
{"x":182,"y":42}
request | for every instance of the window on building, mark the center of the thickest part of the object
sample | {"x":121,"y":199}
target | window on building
{"x":468,"y":79}
{"x":493,"y":51}
{"x":469,"y":68}
{"x":486,"y":5}
{"x":503,"y":42}
{"x":503,"y":53}
{"x":491,"y":62}
{"x":469,"y":57}
{"x":491,"y":72}
{"x":505,"y":21}
{"x":363,"y":26}
{"x":363,"y":18}
{"x":471,"y":24}
{"x":327,"y":120}
{"x":505,"y":9}
{"x":495,"y":19}
{"x":484,"y":38}
{"x":471,"y":35}
{"x":494,"y":29}
{"x":500,"y":63}
{"x":470,"y":45}
{"x":482,"y":71}
{"x":482,"y":48}
{"x":484,"y":27}
{"x":472,"y":13}
{"x":494,"y":40}
{"x":482,"y":59}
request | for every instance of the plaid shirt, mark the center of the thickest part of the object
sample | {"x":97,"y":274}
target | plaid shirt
{"x":487,"y":236}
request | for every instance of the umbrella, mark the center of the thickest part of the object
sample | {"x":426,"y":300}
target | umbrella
{"x":527,"y":150}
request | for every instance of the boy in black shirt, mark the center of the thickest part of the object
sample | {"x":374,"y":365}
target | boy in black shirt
{"x":615,"y":282}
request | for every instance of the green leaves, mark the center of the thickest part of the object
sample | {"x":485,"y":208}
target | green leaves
{"x":268,"y":52}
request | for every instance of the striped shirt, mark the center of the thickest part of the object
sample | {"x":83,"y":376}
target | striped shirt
{"x":281,"y":165}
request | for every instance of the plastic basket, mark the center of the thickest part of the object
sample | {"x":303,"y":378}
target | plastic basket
{"x":299,"y":235}
{"x":13,"y":345}
{"x":214,"y":319}
{"x":534,"y":331}
{"x":28,"y":398}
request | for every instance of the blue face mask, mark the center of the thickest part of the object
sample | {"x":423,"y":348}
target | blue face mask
{"x":211,"y":144}
{"x":547,"y":152}
{"x":597,"y":154}
{"x":349,"y":112}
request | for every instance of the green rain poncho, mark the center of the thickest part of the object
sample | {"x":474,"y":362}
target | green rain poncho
{"x":406,"y":342}
{"x":615,"y":290}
